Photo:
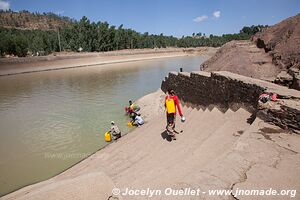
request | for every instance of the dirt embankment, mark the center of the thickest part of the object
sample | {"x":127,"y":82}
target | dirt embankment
{"x":244,"y":58}
{"x":65,"y":60}
{"x":282,"y":43}
{"x":273,"y":54}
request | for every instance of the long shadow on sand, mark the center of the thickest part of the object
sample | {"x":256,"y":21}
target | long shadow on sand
{"x":166,"y":136}
{"x":252,"y":118}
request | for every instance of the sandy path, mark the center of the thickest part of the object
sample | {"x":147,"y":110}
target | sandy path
{"x":216,"y":151}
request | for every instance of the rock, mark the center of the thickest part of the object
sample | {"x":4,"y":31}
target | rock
{"x":296,"y":82}
{"x":293,"y":71}
{"x":281,"y":41}
{"x":282,"y":116}
{"x":284,"y":78}
{"x":227,"y":90}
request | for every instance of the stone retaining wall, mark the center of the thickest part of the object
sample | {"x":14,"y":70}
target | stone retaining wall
{"x":226,"y":90}
{"x":213,"y":89}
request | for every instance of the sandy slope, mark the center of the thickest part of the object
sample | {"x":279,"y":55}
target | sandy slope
{"x":215,"y":151}
{"x":244,"y":58}
{"x":282,"y":42}
{"x":273,"y":55}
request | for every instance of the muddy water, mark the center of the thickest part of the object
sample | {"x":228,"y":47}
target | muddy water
{"x":51,"y":120}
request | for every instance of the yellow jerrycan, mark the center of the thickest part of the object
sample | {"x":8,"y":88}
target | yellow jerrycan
{"x":107,"y":136}
{"x":170,"y":105}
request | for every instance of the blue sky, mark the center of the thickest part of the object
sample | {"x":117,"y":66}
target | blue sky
{"x":170,"y":17}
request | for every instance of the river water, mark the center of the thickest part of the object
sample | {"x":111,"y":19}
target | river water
{"x":51,"y":120}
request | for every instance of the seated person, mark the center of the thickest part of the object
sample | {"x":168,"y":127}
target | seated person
{"x":115,"y":131}
{"x":138,"y":121}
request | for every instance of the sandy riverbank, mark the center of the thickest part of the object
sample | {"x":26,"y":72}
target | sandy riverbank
{"x":215,"y":151}
{"x":10,"y":66}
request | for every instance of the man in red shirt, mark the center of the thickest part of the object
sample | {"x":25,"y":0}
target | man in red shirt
{"x":171,"y":102}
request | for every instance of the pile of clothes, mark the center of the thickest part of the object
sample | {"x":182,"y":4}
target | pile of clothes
{"x":265,"y":98}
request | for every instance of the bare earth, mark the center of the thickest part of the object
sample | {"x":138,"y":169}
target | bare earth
{"x":215,"y":151}
{"x":244,"y":58}
{"x":282,"y":42}
{"x":273,"y":55}
{"x":10,"y":66}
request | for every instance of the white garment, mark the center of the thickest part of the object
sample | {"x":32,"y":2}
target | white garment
{"x":139,"y":120}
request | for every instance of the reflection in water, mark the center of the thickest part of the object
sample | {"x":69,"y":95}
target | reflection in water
{"x":51,"y":120}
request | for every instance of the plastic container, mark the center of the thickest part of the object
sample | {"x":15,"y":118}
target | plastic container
{"x":107,"y":136}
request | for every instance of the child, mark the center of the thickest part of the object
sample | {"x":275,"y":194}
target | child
{"x":171,"y":102}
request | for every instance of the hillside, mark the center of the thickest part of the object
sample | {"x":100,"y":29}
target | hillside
{"x":25,"y":20}
{"x":282,"y":42}
{"x":244,"y":58}
{"x":273,"y":54}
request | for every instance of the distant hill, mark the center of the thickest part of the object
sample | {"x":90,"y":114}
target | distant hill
{"x":25,"y":20}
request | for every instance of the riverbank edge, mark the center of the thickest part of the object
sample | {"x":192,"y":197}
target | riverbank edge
{"x":14,"y":66}
{"x":52,"y":68}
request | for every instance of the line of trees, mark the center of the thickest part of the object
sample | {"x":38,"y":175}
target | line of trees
{"x":103,"y":37}
{"x":87,"y":36}
{"x":27,"y":42}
